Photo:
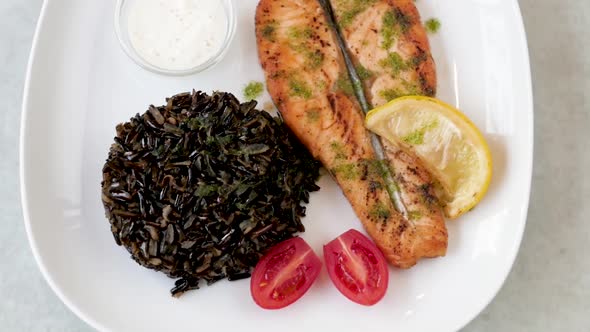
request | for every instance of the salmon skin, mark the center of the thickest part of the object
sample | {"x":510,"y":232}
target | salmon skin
{"x":308,"y":80}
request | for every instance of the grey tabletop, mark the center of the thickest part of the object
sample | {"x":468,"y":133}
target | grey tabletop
{"x":549,"y":286}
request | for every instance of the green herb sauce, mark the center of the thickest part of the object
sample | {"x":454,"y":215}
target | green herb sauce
{"x":297,"y":33}
{"x":300,"y":89}
{"x":363,"y":72}
{"x":347,"y":171}
{"x":394,"y":62}
{"x":349,"y":9}
{"x":414,"y":215}
{"x":314,"y":60}
{"x":345,"y":85}
{"x":380,"y":211}
{"x":391,"y":94}
{"x":432,"y":25}
{"x":388,"y":30}
{"x":411,"y":88}
{"x":376,"y":168}
{"x":417,"y":137}
{"x":338,"y":149}
{"x":253,"y":90}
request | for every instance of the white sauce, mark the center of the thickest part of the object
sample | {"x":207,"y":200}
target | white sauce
{"x":177,"y":34}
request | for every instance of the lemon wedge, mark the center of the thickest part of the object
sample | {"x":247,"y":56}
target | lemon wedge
{"x":448,"y":143}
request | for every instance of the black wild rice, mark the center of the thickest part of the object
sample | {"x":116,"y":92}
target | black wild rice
{"x":201,"y":187}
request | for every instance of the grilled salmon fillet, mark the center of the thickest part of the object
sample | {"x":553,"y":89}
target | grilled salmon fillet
{"x":389,"y":47}
{"x":309,"y":83}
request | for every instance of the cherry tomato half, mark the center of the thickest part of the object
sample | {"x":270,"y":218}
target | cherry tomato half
{"x":357,"y":267}
{"x":284,"y":274}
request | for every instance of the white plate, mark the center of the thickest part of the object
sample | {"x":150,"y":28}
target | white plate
{"x":81,"y":84}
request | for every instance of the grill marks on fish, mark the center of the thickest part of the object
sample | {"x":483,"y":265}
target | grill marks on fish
{"x":388,"y":41}
{"x":417,"y":192}
{"x":311,"y":92}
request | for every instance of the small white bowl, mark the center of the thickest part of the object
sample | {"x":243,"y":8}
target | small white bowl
{"x":121,"y":21}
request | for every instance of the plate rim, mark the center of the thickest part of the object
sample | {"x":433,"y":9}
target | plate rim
{"x":528,"y":99}
{"x":23,"y":181}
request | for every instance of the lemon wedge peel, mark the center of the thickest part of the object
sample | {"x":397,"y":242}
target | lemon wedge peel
{"x":461,"y":194}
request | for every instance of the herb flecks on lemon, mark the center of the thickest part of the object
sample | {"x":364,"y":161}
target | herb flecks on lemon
{"x":449,"y":144}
